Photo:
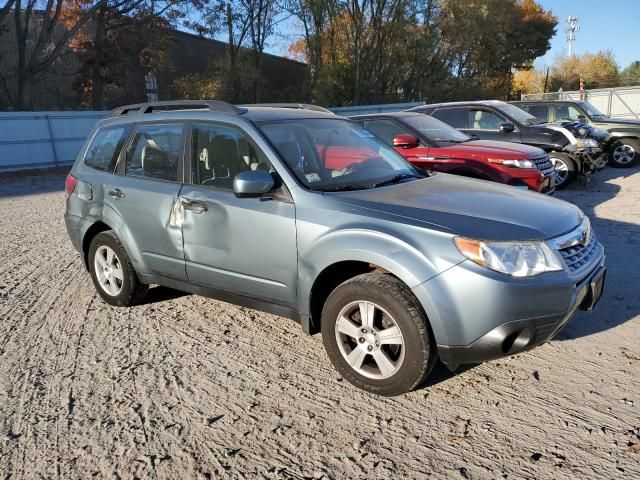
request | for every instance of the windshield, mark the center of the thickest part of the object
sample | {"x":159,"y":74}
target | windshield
{"x":519,"y":115}
{"x":336,"y":154}
{"x":434,"y":130}
{"x":591,"y":110}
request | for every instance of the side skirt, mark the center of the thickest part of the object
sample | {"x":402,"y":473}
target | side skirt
{"x":241,"y":300}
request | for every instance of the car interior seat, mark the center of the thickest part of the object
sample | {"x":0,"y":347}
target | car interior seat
{"x":155,"y":161}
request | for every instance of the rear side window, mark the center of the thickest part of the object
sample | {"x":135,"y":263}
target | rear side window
{"x":155,"y":151}
{"x":456,"y":117}
{"x":105,"y":147}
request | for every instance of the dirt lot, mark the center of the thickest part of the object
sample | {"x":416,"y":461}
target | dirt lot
{"x":184,"y":386}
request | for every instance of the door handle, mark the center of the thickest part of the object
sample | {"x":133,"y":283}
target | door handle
{"x":116,"y":193}
{"x":194,"y":206}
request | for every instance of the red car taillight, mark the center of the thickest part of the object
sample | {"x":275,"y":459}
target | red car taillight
{"x":70,"y":185}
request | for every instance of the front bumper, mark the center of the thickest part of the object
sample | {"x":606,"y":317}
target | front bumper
{"x":533,"y":179}
{"x":479,"y":315}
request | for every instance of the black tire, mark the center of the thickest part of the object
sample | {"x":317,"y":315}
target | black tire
{"x":131,"y":291}
{"x":396,"y":299}
{"x":567,"y":170}
{"x":624,"y":153}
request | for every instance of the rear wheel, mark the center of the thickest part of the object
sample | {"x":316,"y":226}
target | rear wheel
{"x":112,"y":272}
{"x":564,"y":169}
{"x":624,"y":153}
{"x":377,"y":335}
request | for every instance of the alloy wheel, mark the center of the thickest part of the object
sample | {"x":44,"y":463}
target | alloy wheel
{"x":561,"y":171}
{"x":623,"y":154}
{"x":108,"y":270}
{"x":370,"y":340}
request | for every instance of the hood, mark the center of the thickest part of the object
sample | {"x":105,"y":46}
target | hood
{"x":469,"y":207}
{"x":584,"y":130}
{"x":494,"y":148}
{"x":618,"y":121}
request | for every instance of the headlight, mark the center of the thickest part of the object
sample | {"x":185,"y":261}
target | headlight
{"x":518,"y":259}
{"x":513,"y":163}
{"x":590,"y":143}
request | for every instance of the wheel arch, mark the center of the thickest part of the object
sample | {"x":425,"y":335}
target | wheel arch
{"x":618,"y":135}
{"x":328,"y":265}
{"x":95,"y":228}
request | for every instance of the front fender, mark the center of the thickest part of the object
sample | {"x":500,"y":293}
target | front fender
{"x":620,"y":134}
{"x":399,"y":256}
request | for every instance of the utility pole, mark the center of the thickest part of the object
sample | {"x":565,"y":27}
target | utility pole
{"x":572,"y":26}
{"x":546,"y":80}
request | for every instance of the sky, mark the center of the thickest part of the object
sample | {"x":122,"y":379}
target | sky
{"x":611,"y":25}
{"x":604,"y":25}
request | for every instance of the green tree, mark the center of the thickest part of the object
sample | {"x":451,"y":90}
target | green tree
{"x":631,"y":74}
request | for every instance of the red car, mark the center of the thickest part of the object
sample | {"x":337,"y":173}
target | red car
{"x":431,"y":144}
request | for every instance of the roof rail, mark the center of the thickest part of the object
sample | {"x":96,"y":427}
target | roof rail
{"x":211,"y":105}
{"x":300,"y":106}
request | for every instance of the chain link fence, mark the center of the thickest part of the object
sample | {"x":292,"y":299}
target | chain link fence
{"x":615,"y":102}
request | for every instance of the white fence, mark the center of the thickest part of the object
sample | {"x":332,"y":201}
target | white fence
{"x":49,"y":139}
{"x":43,"y":139}
{"x":615,"y":102}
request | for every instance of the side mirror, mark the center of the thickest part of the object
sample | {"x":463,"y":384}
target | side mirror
{"x":405,"y":141}
{"x":252,"y":183}
{"x":507,"y":127}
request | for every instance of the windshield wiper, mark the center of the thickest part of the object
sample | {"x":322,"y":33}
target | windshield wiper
{"x":341,"y":188}
{"x":396,"y":179}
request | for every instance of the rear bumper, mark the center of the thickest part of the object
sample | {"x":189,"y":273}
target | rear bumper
{"x":491,"y":317}
{"x":76,"y":228}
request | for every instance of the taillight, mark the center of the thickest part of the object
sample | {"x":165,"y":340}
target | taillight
{"x":70,"y":185}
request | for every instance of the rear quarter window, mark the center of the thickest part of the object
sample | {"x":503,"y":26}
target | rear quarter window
{"x":105,"y":147}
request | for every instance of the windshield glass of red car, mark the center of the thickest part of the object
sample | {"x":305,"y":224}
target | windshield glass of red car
{"x":335,"y":154}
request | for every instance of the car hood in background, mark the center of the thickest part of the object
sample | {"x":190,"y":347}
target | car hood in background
{"x":469,"y":207}
{"x":493,"y":148}
{"x":618,"y":121}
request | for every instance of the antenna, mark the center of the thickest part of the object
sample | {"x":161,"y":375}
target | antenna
{"x":572,"y":26}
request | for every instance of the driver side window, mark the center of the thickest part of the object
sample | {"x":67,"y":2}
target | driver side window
{"x":385,"y":129}
{"x":219,"y":153}
{"x":484,"y":120}
{"x":567,"y":112}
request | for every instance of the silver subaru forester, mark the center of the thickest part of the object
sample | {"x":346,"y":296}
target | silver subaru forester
{"x":306,"y":215}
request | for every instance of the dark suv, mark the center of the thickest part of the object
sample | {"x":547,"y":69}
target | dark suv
{"x":496,"y":120}
{"x":307,"y":215}
{"x":623,"y":144}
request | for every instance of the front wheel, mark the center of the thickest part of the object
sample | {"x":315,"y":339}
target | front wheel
{"x":377,"y":336}
{"x":564,"y":169}
{"x":624,"y":153}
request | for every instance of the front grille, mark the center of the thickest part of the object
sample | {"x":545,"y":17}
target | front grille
{"x":578,"y":256}
{"x":543,"y":163}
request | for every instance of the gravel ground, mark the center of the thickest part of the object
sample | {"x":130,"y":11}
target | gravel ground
{"x":184,"y":386}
